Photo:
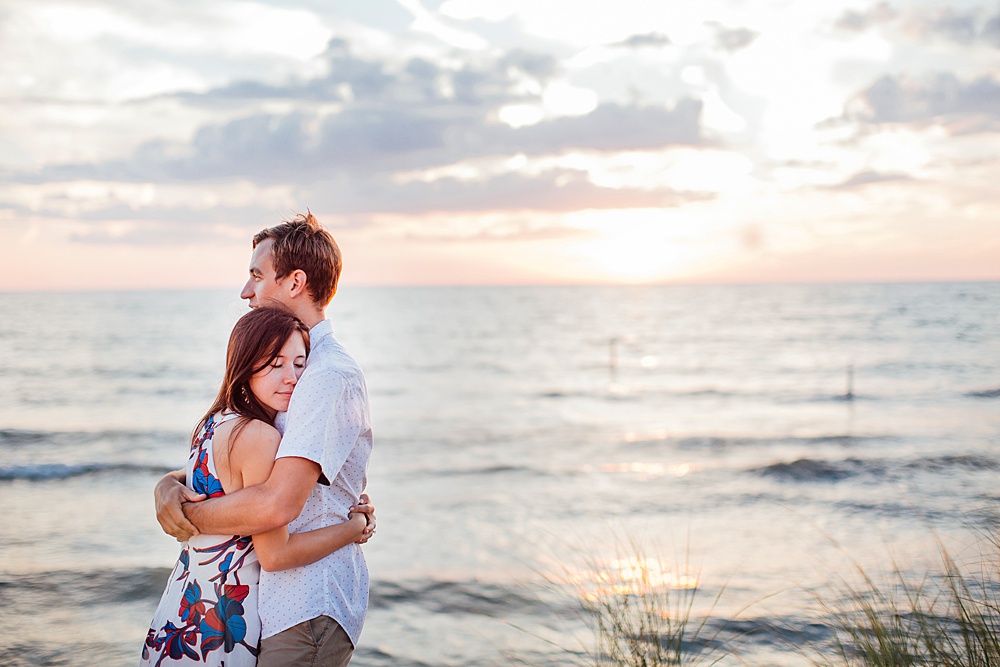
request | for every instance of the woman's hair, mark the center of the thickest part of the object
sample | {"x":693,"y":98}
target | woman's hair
{"x":255,"y":342}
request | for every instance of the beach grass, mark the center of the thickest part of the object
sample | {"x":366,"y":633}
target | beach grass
{"x":949,"y":618}
{"x":645,"y":612}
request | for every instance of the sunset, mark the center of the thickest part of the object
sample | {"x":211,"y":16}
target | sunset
{"x":462,"y":142}
{"x":658,"y":333}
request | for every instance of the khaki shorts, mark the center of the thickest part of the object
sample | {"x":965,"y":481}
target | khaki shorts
{"x":318,"y":642}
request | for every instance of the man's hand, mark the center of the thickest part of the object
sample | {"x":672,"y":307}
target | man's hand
{"x":170,"y":493}
{"x":365,"y":507}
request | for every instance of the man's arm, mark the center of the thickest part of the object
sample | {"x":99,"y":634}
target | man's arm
{"x":258,"y":509}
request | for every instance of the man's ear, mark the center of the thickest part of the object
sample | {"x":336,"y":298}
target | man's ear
{"x":298,"y":281}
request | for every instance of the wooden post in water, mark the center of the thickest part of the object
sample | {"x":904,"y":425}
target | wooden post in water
{"x":850,"y":383}
{"x":613,"y":360}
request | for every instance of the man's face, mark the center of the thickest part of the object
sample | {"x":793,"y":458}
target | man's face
{"x":262,"y":288}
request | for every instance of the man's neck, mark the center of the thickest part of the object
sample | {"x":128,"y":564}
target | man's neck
{"x":304,"y":309}
{"x":311,"y":317}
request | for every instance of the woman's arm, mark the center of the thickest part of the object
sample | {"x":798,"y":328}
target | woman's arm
{"x":169,"y":493}
{"x":278,"y":550}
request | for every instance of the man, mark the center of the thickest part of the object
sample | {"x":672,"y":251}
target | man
{"x":310,"y":615}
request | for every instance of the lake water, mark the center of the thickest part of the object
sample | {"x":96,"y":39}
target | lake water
{"x":522,"y":433}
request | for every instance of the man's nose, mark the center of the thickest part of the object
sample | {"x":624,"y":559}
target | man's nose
{"x":247,"y":291}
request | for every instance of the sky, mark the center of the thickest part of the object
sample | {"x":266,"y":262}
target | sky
{"x":143,"y":142}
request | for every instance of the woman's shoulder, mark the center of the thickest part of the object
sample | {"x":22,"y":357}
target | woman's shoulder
{"x":255,"y":431}
{"x":255,"y":444}
{"x":253,"y":451}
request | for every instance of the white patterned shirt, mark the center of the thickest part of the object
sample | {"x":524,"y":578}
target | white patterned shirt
{"x":327,"y":422}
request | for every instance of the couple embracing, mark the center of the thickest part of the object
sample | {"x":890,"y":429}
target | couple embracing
{"x":270,"y":508}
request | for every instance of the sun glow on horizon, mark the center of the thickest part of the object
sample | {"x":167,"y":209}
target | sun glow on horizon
{"x":636,"y":246}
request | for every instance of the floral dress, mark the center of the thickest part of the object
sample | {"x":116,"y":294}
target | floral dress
{"x":208,"y":613}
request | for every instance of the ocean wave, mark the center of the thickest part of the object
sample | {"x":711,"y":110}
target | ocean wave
{"x":637,"y":392}
{"x":499,"y":469}
{"x":59,"y":588}
{"x":925,"y":514}
{"x":722,"y":442}
{"x":43,"y":472}
{"x":449,"y":597}
{"x":20,"y":437}
{"x":555,"y":393}
{"x":374,"y":656}
{"x":818,"y":470}
{"x":626,"y":391}
{"x":986,"y":393}
{"x":813,"y":470}
{"x":54,"y":589}
{"x":966,"y":461}
{"x":13,"y":436}
{"x":777,"y":631}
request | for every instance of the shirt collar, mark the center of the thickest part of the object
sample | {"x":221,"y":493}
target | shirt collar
{"x":321,"y":330}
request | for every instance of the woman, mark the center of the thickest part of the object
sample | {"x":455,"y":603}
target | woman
{"x":208,"y":612}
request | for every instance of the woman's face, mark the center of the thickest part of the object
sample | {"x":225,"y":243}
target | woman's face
{"x":273,"y":384}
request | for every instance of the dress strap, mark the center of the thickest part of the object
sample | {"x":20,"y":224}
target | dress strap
{"x":226,"y":416}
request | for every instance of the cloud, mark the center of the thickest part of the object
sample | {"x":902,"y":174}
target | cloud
{"x":349,"y":79}
{"x":856,"y":21}
{"x":557,"y":190}
{"x":351,"y":162}
{"x":961,"y":27}
{"x":864,"y":178}
{"x":151,"y":233}
{"x":301,"y":146}
{"x":345,"y":137}
{"x":991,"y":31}
{"x":733,"y":39}
{"x":956,"y":26}
{"x":509,"y":227}
{"x":354,"y":128}
{"x":612,"y":127}
{"x":648,"y":39}
{"x":894,"y":99}
{"x":433,"y":211}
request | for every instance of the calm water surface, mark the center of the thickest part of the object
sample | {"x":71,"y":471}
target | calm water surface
{"x":521,"y":432}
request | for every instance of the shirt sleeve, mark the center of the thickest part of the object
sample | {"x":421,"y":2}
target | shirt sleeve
{"x":325,"y":417}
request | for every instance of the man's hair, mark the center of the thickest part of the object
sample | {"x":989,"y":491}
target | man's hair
{"x":302,"y":243}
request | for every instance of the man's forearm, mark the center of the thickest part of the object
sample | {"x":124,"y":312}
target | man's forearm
{"x":259,"y":508}
{"x":245,"y":512}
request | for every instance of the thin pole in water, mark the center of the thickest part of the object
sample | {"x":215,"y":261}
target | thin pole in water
{"x":850,"y":383}
{"x":613,"y":359}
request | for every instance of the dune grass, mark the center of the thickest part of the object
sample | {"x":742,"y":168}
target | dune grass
{"x":642,"y":613}
{"x":950,"y":618}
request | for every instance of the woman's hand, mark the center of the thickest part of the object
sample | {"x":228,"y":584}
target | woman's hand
{"x":366,"y":509}
{"x":170,"y":493}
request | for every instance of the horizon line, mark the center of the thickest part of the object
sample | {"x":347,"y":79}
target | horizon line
{"x":599,"y":285}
